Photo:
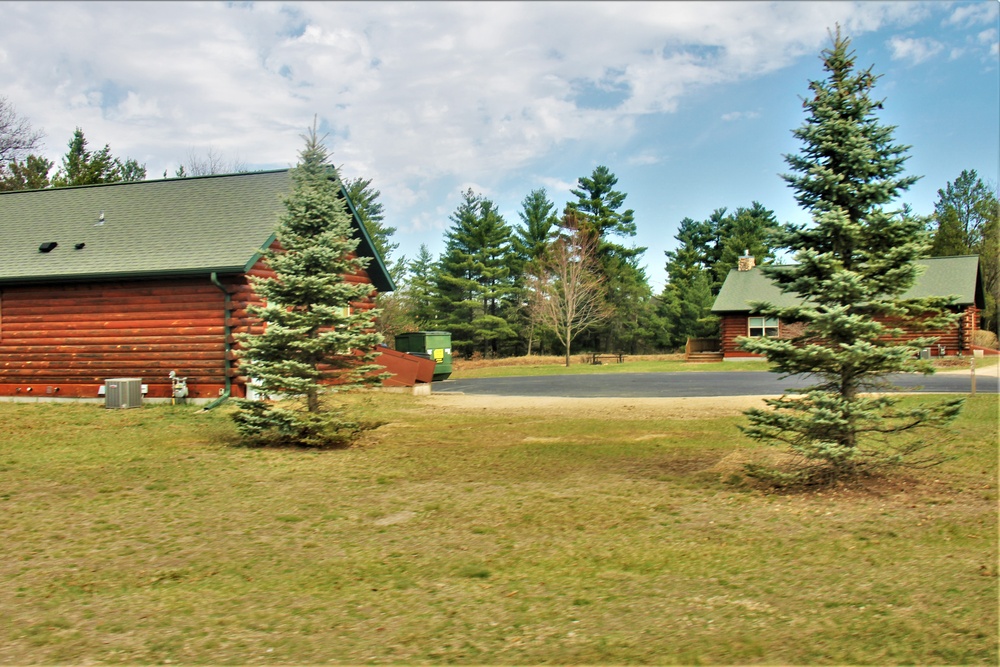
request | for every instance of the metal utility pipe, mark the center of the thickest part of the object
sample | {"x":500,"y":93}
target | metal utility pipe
{"x":227,"y":314}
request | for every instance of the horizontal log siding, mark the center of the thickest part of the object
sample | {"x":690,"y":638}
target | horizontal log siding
{"x":956,"y":339}
{"x":731,"y":327}
{"x":242,"y":296}
{"x":66,"y":340}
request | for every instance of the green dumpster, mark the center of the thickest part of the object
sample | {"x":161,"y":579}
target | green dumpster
{"x":434,"y":344}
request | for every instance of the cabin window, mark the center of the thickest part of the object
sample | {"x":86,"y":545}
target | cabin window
{"x":763,"y":327}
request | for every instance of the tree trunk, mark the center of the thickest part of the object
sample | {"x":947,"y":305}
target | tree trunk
{"x":849,"y":392}
{"x":568,"y":339}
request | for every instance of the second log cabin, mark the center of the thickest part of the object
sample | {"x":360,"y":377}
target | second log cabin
{"x":958,"y":277}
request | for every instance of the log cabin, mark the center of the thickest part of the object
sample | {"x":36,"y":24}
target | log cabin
{"x":138,"y":280}
{"x":958,"y":277}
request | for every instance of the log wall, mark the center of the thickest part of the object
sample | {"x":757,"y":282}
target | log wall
{"x":956,"y":339}
{"x":730,"y":328}
{"x":242,"y":295}
{"x":65,"y":340}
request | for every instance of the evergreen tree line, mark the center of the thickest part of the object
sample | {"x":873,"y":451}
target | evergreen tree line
{"x":21,"y":169}
{"x":480,"y":287}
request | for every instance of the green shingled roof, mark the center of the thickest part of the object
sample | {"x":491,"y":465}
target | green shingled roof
{"x":942,"y":276}
{"x":178,"y":226}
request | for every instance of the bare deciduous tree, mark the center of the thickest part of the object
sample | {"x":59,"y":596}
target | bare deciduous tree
{"x":17,"y":138}
{"x":568,"y":295}
{"x":212,"y":163}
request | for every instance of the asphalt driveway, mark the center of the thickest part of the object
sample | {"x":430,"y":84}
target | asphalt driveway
{"x":684,"y":385}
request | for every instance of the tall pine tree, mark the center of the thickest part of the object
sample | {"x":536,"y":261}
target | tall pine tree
{"x":967,"y":214}
{"x":598,"y":209}
{"x":751,"y":229}
{"x":85,"y":167}
{"x":531,"y":244}
{"x":366,"y":202}
{"x":853,"y":264}
{"x":474,"y":282}
{"x":686,"y":303}
{"x":421,"y":290}
{"x":532,"y":238}
{"x":314,"y":343}
{"x":706,"y":252}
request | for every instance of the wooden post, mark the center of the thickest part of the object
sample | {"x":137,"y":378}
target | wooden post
{"x":972,"y":365}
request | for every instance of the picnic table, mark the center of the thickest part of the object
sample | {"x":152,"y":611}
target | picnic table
{"x":616,"y":356}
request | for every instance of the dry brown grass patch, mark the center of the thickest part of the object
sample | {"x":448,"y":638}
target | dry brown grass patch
{"x":539,"y":360}
{"x":599,"y":408}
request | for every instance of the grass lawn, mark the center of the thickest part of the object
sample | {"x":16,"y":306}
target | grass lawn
{"x":662,"y":363}
{"x":458,"y":534}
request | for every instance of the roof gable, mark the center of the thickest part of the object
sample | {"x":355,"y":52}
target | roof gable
{"x":177,"y":226}
{"x":941,"y":276}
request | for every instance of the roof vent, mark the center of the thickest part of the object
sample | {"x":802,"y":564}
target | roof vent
{"x":80,"y":246}
{"x":100,"y":219}
{"x":47,"y":246}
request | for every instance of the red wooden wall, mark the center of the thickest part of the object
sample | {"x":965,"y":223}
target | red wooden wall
{"x":956,"y":339}
{"x":65,"y":340}
{"x":242,"y":295}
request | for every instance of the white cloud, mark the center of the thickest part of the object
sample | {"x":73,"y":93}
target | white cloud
{"x":138,"y":109}
{"x":418,"y":96}
{"x":555,"y":184}
{"x":740,"y":115}
{"x":915,"y":50}
{"x":457,"y":79}
{"x":973,"y":13}
{"x":988,"y":38}
{"x":643,"y":159}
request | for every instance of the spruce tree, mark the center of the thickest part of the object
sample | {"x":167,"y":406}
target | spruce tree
{"x":853,"y":263}
{"x":314,"y":343}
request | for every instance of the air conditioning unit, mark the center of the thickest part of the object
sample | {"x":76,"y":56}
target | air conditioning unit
{"x":123,"y":393}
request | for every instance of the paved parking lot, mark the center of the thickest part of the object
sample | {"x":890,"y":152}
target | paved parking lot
{"x":693,"y":384}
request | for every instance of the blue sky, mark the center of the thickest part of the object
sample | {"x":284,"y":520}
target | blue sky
{"x":690,"y":104}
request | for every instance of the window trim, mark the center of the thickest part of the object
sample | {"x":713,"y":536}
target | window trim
{"x":764,"y":327}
